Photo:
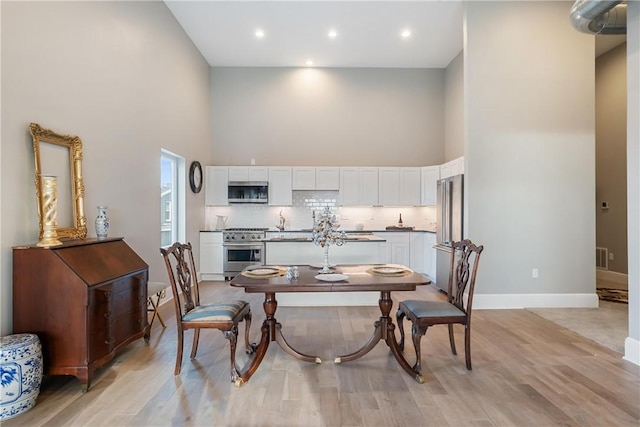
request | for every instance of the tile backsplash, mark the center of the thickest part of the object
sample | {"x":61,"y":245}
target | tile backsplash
{"x":299,"y":215}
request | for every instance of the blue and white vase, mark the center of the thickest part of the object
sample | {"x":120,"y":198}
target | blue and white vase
{"x":102,"y":223}
{"x":20,"y":373}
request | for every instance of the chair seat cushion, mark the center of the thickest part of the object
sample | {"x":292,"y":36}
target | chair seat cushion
{"x":425,"y":309}
{"x":219,"y":311}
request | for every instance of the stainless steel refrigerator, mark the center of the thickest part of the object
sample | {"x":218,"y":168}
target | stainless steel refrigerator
{"x":449,"y":229}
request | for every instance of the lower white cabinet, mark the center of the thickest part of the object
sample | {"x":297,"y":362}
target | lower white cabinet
{"x":397,"y":248}
{"x":430,"y":255}
{"x":211,"y":255}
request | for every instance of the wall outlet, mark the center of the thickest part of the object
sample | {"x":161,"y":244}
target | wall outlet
{"x":610,"y":256}
{"x":253,"y":162}
{"x":534,"y":273}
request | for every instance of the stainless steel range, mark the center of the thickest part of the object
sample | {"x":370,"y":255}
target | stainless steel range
{"x":242,"y":247}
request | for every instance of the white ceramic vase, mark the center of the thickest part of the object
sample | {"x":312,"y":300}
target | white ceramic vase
{"x":102,"y":223}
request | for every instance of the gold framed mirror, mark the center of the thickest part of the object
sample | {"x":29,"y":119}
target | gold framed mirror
{"x":61,"y":156}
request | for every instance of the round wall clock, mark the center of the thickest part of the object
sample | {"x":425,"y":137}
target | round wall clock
{"x":195,"y":177}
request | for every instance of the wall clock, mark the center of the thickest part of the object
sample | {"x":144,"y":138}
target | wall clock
{"x":195,"y":177}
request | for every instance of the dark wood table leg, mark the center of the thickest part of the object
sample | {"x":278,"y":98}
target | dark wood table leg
{"x":271,"y":331}
{"x":384,"y":330}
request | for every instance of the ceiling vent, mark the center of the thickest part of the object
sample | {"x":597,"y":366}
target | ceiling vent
{"x":599,"y":16}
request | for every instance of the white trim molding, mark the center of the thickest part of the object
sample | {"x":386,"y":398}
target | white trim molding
{"x":509,"y":301}
{"x":632,"y":350}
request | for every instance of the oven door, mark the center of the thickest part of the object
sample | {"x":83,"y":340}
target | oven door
{"x":237,"y":257}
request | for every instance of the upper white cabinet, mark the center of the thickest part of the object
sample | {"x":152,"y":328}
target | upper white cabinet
{"x":248,"y":173}
{"x":280,"y":186}
{"x":453,"y":167}
{"x":304,"y":178}
{"x":312,"y":178}
{"x":216,"y":185}
{"x":358,"y":186}
{"x":399,"y":186}
{"x":327,"y":178}
{"x":430,"y":176}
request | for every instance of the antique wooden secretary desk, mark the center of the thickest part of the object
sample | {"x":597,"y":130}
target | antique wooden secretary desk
{"x":85,"y":299}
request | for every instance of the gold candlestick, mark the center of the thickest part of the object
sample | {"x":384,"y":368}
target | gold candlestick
{"x":49,"y":212}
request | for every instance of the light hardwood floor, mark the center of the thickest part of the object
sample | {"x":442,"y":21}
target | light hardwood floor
{"x":527,"y":371}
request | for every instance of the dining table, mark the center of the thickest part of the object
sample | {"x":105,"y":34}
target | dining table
{"x":382,"y":278}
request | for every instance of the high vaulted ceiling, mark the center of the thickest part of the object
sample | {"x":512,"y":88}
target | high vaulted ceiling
{"x":368,"y":32}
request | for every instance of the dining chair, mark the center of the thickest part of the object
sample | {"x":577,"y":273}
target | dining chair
{"x":465,"y":257}
{"x":191,"y":314}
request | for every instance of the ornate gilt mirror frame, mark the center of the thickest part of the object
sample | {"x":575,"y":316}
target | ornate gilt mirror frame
{"x":41,"y":139}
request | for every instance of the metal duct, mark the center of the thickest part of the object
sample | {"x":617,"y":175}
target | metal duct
{"x":599,"y":16}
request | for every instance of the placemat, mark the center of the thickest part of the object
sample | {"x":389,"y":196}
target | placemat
{"x":280,"y":272}
{"x":405,"y":272}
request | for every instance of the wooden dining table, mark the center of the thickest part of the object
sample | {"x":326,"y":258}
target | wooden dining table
{"x":357,"y":278}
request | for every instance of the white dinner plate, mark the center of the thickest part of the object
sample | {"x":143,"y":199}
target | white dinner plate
{"x":263,"y":271}
{"x":387,"y":269}
{"x":332,"y":277}
{"x":320,"y":265}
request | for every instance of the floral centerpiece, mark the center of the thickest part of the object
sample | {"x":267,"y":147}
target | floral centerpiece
{"x":326,"y":233}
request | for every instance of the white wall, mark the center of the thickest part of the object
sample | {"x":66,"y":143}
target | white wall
{"x":331,"y":117}
{"x":632,"y":343}
{"x":529,"y":153}
{"x":454,"y":109}
{"x":126,"y":79}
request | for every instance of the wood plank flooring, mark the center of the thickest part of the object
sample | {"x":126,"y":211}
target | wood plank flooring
{"x":527,"y":371}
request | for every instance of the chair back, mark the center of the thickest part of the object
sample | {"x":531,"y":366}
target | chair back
{"x":182,"y":272}
{"x":465,"y":258}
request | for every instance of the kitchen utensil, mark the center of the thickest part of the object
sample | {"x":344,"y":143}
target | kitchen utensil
{"x":221,"y":222}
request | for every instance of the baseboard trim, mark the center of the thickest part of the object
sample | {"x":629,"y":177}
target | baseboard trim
{"x":612,"y":276}
{"x":508,"y":301}
{"x":632,"y":350}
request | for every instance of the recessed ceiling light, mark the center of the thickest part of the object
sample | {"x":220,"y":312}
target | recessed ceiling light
{"x":405,"y":34}
{"x":259,"y":33}
{"x":309,"y":63}
{"x":332,"y":34}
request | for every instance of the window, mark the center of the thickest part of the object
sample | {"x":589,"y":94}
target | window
{"x":172,"y":198}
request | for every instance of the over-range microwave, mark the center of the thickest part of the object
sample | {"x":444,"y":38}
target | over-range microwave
{"x":248,"y":192}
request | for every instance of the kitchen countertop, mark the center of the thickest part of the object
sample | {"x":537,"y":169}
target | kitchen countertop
{"x":308,"y":230}
{"x":351,"y":237}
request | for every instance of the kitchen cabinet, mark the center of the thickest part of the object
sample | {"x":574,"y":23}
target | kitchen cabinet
{"x":248,"y":173}
{"x":327,"y":178}
{"x":429,"y":176}
{"x":430,"y":255}
{"x":316,"y":178}
{"x":397,"y":248}
{"x":304,"y":178}
{"x":416,"y":251}
{"x":280,"y":186}
{"x":399,"y":186}
{"x":358,"y":186}
{"x":86,"y":300}
{"x":216,"y":185}
{"x":211,"y":255}
{"x":451,"y":168}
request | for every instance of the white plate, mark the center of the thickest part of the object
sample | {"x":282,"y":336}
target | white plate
{"x":333,"y":277}
{"x":263,"y":271}
{"x":386,"y":269}
{"x":320,"y":265}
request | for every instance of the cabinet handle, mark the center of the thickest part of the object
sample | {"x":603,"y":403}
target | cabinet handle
{"x":110,"y":341}
{"x":107,"y":315}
